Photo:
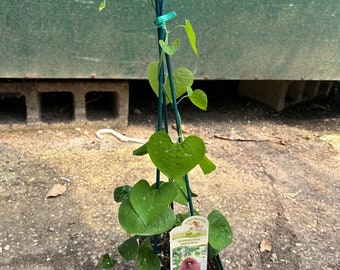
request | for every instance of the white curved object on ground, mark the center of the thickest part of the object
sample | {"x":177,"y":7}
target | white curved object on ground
{"x":100,"y":132}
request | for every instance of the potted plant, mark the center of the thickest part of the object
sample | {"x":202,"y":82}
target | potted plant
{"x":147,"y":211}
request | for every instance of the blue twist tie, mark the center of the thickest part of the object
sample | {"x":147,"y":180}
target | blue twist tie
{"x":160,"y":21}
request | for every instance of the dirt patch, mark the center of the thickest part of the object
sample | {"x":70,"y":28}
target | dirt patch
{"x":277,"y":179}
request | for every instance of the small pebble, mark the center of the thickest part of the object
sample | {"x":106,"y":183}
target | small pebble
{"x":274,"y":258}
{"x":7,"y":247}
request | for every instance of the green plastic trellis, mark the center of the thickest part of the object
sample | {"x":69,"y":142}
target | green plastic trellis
{"x":160,"y":22}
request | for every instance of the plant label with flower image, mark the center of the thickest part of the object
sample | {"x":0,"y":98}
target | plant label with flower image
{"x":189,"y":244}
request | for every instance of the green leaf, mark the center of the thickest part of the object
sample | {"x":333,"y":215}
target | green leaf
{"x":175,"y":159}
{"x":121,"y":193}
{"x":149,"y":202}
{"x":107,"y":262}
{"x":183,"y":78}
{"x":220,"y":233}
{"x":170,"y":49}
{"x":147,"y":259}
{"x":191,"y":36}
{"x":129,"y":248}
{"x":133,"y":224}
{"x":189,"y":91}
{"x":140,"y":151}
{"x":182,"y":195}
{"x":181,"y":217}
{"x":153,"y":76}
{"x":199,"y":99}
{"x":207,"y":166}
{"x":102,"y":6}
{"x":212,"y":252}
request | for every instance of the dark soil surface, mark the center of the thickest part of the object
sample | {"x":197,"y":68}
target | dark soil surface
{"x":277,"y":181}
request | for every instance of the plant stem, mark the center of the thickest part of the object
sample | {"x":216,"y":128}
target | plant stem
{"x":173,"y":96}
{"x":191,"y":206}
{"x":162,"y":111}
{"x":160,"y":6}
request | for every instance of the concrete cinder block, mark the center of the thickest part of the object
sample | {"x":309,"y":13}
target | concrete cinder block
{"x":295,"y":91}
{"x":311,"y":89}
{"x":79,"y":88}
{"x":271,"y":93}
{"x":279,"y":94}
{"x":325,"y":88}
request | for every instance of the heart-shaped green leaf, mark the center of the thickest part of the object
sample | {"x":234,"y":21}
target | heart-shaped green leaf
{"x":133,"y":224}
{"x":183,"y":78}
{"x":175,"y":159}
{"x":199,"y":99}
{"x":149,"y":202}
{"x":170,"y":49}
{"x":147,"y":259}
{"x":129,"y":248}
{"x":220,"y":233}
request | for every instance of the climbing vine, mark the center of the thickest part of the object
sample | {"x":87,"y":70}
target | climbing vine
{"x":147,"y":210}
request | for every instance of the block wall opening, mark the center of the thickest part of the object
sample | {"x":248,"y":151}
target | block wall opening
{"x":56,"y":107}
{"x":12,"y":108}
{"x":101,"y":105}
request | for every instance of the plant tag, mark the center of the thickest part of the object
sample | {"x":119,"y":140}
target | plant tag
{"x":189,"y":244}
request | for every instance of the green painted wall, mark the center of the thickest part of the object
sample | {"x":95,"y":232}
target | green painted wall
{"x":237,"y":39}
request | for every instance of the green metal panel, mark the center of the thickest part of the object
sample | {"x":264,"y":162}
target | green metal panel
{"x":237,"y":39}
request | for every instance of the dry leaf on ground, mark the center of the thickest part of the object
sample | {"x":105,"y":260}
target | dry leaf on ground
{"x":56,"y":190}
{"x":265,"y":245}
